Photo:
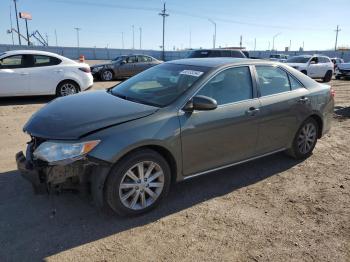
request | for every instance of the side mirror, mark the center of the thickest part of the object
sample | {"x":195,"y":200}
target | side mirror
{"x":312,"y":62}
{"x":123,"y":62}
{"x":200,"y":103}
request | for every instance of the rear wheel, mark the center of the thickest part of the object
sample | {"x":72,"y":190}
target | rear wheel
{"x":328,"y":76}
{"x":305,"y":139}
{"x":107,"y":75}
{"x":67,"y":88}
{"x":138,"y":183}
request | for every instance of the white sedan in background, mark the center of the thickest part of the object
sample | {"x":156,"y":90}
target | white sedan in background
{"x":29,"y":72}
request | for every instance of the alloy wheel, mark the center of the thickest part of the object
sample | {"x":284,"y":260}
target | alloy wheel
{"x":68,"y":89}
{"x":107,"y":75}
{"x":307,"y":138}
{"x":141,"y":185}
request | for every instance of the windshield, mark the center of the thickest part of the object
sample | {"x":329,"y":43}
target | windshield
{"x":298,"y":59}
{"x":275,"y":56}
{"x":200,"y":54}
{"x":117,"y":58}
{"x":160,"y":85}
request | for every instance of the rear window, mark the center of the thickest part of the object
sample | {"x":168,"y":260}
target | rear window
{"x":216,"y":53}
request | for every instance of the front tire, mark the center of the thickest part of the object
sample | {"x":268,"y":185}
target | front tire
{"x":67,"y":88}
{"x":305,"y":140}
{"x":328,"y":76}
{"x":107,"y":75}
{"x":137,"y":183}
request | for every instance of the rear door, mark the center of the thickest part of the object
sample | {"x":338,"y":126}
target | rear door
{"x":45,"y":74}
{"x":284,"y":103}
{"x":14,"y":76}
{"x":212,"y":139}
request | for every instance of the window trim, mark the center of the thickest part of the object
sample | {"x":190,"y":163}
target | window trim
{"x":252,"y":76}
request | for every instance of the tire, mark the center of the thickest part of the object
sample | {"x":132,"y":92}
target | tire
{"x":107,"y":75}
{"x":127,"y":194}
{"x":304,"y":72}
{"x":66,"y":88}
{"x":298,"y":149}
{"x":328,"y":76}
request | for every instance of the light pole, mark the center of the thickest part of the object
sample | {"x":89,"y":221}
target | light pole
{"x":164,"y":15}
{"x":140,"y":37}
{"x":133,"y":37}
{"x":78,"y":44}
{"x":214,"y":36}
{"x":273,"y":41}
{"x":336,"y":37}
{"x":19,"y":33}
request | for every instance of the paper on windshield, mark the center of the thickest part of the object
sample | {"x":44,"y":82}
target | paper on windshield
{"x":191,"y":73}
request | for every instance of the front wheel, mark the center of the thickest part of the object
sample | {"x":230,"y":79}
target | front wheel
{"x":107,"y":75}
{"x":305,"y":139}
{"x":137,"y":183}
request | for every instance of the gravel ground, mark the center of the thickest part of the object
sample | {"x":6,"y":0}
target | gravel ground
{"x":272,"y":209}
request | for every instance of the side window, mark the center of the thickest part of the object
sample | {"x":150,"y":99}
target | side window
{"x":226,"y":53}
{"x":272,"y":80}
{"x":295,"y":84}
{"x":237,"y":53}
{"x":231,"y":85}
{"x":315,"y":59}
{"x":11,"y":62}
{"x":215,"y":53}
{"x":131,"y":59}
{"x":41,"y":60}
{"x":324,"y":60}
{"x":144,"y":59}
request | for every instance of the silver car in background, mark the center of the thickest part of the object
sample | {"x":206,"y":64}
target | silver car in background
{"x":123,"y":66}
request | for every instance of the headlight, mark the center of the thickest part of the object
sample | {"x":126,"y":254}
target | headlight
{"x":53,"y":152}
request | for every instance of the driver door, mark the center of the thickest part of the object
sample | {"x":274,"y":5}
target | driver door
{"x":227,"y":134}
{"x":14,"y":76}
{"x":128,"y":68}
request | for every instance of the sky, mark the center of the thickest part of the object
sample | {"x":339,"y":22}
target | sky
{"x":103,"y":22}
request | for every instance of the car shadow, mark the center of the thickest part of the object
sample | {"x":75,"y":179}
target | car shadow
{"x":342,"y":112}
{"x":25,"y":100}
{"x":28,"y":228}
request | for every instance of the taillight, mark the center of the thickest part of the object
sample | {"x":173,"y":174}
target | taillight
{"x":85,"y":69}
{"x":332,"y":92}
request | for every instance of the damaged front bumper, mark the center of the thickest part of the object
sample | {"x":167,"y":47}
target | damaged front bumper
{"x":45,"y":178}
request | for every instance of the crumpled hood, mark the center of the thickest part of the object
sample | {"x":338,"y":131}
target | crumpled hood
{"x":74,"y":116}
{"x":344,"y":66}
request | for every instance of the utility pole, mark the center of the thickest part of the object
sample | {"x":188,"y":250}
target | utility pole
{"x":164,"y":15}
{"x":133,"y":37}
{"x":13,"y":41}
{"x":190,"y":38}
{"x":240,"y":42}
{"x":254,"y":44}
{"x":140,"y":38}
{"x":214,"y":36}
{"x":78,"y":44}
{"x":290,"y":45}
{"x":56,"y":37}
{"x":122,"y":40}
{"x":273,"y":41}
{"x":336,"y":37}
{"x":47,"y":39}
{"x":19,"y":33}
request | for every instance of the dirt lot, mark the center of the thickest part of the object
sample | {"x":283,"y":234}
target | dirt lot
{"x":273,"y":209}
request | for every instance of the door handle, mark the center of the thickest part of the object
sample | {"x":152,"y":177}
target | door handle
{"x":303,"y":100}
{"x":24,"y":74}
{"x":252,"y":111}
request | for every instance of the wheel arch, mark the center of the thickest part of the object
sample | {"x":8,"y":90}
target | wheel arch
{"x":319,"y":122}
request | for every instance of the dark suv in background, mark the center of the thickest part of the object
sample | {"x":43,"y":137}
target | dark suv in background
{"x":202,"y":53}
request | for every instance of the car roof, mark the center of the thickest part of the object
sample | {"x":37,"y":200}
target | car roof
{"x":218,"y":61}
{"x":33,"y":52}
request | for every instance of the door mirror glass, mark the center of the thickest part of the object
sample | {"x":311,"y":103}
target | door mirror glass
{"x":313,"y":62}
{"x":123,"y":62}
{"x":200,"y":103}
